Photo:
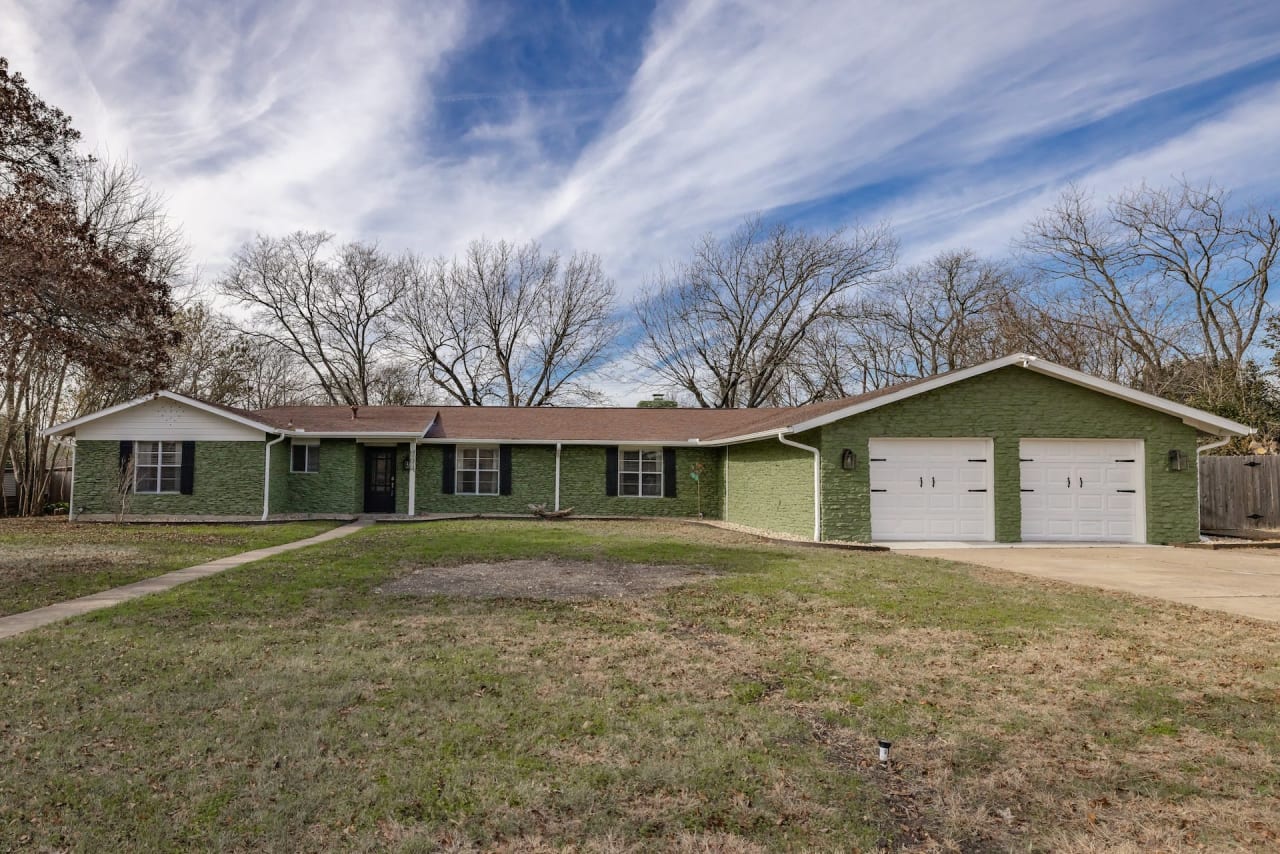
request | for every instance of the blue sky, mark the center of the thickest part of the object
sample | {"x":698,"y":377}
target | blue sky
{"x":631,"y":128}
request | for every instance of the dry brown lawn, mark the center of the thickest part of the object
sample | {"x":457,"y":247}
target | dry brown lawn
{"x":299,"y":705}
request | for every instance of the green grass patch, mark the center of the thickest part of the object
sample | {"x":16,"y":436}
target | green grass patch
{"x":290,"y":705}
{"x":43,"y":561}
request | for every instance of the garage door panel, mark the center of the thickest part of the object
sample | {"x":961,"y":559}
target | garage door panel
{"x":1079,"y":489}
{"x":931,"y":489}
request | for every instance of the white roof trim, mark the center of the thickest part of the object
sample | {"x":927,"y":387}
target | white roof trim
{"x":1198,"y":418}
{"x":70,"y":426}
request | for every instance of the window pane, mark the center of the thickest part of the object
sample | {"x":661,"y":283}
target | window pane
{"x":169,"y":479}
{"x":652,"y":484}
{"x":313,"y":458}
{"x":299,"y":457}
{"x":651,"y":461}
{"x":171,"y":453}
{"x":489,"y":482}
{"x":146,"y":480}
{"x":466,"y":481}
{"x":468,"y":458}
{"x":630,"y":484}
{"x":630,"y":461}
{"x":145,"y":454}
{"x":487,"y":458}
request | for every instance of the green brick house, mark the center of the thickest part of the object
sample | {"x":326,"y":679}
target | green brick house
{"x":1017,"y":449}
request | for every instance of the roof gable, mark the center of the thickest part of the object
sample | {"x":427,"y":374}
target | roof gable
{"x":165,"y":410}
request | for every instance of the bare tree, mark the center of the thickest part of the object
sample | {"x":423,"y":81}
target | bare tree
{"x":508,"y":324}
{"x":329,"y":311}
{"x":727,"y":324}
{"x":1172,"y":274}
{"x":212,"y":361}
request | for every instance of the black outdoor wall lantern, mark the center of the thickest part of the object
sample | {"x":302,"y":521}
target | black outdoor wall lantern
{"x":848,"y":459}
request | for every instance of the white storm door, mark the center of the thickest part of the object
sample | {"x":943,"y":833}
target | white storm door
{"x":1082,"y":490}
{"x":932,"y":489}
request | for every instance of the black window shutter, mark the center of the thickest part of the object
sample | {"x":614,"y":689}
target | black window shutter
{"x":504,"y":469}
{"x":187,"y":477}
{"x":669,"y":472}
{"x":611,"y":471}
{"x":126,"y":456}
{"x":447,"y":463}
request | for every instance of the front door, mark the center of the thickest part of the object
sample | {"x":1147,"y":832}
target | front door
{"x":379,"y":480}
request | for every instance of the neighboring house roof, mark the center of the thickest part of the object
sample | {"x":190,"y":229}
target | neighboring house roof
{"x":599,"y":425}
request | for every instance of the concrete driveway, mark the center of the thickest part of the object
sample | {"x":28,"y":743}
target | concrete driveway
{"x":1238,"y":581}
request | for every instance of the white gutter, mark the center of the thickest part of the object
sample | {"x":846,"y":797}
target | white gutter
{"x":266,"y":476}
{"x":413,"y":477}
{"x":557,"y":507}
{"x":817,"y":483}
{"x":71,"y":504}
{"x":1200,"y":450}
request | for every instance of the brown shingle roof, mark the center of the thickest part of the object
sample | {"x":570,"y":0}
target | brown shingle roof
{"x":552,"y":424}
{"x":337,"y":419}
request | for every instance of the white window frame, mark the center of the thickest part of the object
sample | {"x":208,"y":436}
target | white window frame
{"x":158,"y":467}
{"x":459,"y":469}
{"x":311,"y":462}
{"x":640,"y":472}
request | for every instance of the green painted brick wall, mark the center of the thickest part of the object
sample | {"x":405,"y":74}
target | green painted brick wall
{"x":582,"y":485}
{"x":532,"y":482}
{"x":228,"y":481}
{"x":338,"y":485}
{"x":771,"y":487}
{"x":280,"y":477}
{"x":1009,"y":405}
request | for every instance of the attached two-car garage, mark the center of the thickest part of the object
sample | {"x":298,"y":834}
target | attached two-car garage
{"x":945,"y":490}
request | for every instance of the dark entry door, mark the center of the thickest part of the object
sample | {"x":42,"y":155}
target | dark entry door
{"x":379,"y":480}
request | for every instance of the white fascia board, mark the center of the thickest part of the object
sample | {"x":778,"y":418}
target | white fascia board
{"x":771,"y":433}
{"x":69,"y":426}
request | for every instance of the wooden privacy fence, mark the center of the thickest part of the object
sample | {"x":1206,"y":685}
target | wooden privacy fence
{"x":1237,"y":493}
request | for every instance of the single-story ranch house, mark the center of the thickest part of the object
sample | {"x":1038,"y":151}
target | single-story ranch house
{"x":1017,"y":449}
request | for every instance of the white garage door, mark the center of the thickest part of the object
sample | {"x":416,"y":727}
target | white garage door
{"x":932,"y":489}
{"x":1082,"y":489}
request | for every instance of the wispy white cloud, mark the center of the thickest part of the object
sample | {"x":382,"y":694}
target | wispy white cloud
{"x":951,"y":121}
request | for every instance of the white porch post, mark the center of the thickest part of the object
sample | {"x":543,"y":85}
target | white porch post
{"x":557,"y":476}
{"x":413,"y":477}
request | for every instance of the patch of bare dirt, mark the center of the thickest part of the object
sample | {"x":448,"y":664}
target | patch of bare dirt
{"x":559,"y":580}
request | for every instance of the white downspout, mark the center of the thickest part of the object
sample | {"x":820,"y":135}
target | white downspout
{"x":413,"y":477}
{"x":817,"y":484}
{"x":266,"y":477}
{"x":557,"y":507}
{"x":71,"y":504}
{"x":1200,"y":450}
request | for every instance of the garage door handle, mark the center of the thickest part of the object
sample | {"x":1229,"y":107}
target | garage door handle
{"x":1126,"y":490}
{"x":922,"y":483}
{"x":1082,"y":483}
{"x":1068,"y":483}
{"x":933,"y":481}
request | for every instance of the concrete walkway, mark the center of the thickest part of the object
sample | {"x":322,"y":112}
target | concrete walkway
{"x":16,"y":624}
{"x":1245,"y":581}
